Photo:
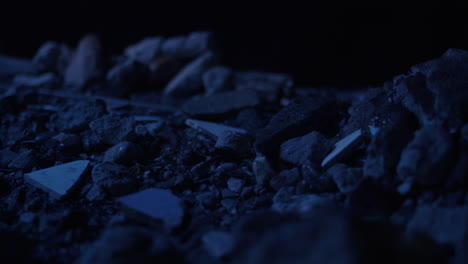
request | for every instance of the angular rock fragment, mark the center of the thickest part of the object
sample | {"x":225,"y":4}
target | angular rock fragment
{"x":163,"y":70}
{"x":235,"y":184}
{"x":77,"y":117}
{"x":68,"y":143}
{"x":6,"y":157}
{"x":218,"y":79}
{"x":286,"y":203}
{"x":127,"y":77}
{"x":342,"y":148}
{"x":221,"y":104}
{"x":285,"y":178}
{"x":113,"y":128}
{"x":294,"y":120}
{"x":269,"y":85}
{"x":427,"y":158}
{"x":189,"y":80}
{"x":187,"y":47}
{"x":113,"y":179}
{"x":311,"y":147}
{"x":52,"y":57}
{"x":158,"y":204}
{"x":145,"y":50}
{"x":85,"y":64}
{"x":60,"y":180}
{"x":346,"y":179}
{"x":10,"y":66}
{"x":24,"y":161}
{"x":262,"y":170}
{"x":123,"y":153}
{"x":218,"y":243}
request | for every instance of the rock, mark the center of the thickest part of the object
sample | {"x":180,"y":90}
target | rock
{"x":311,"y":147}
{"x":269,"y":85}
{"x":146,"y":119}
{"x":162,"y":70}
{"x":59,"y":181}
{"x":10,"y":66}
{"x":296,"y":119}
{"x":125,"y":78}
{"x":158,"y":204}
{"x":85,"y":64}
{"x":250,"y":120}
{"x":218,"y":79}
{"x":45,"y":81}
{"x":189,"y":80}
{"x":68,"y":143}
{"x":286,"y":203}
{"x":221,"y":104}
{"x":346,"y":179}
{"x":187,"y":47}
{"x":285,"y":178}
{"x":6,"y":157}
{"x":113,"y":179}
{"x":343,"y":148}
{"x":52,"y":57}
{"x":123,"y":153}
{"x":218,"y":243}
{"x":24,"y":161}
{"x":314,"y":180}
{"x":427,"y":158}
{"x":145,"y":50}
{"x":445,"y":225}
{"x":126,"y":244}
{"x":262,"y":170}
{"x":113,"y":128}
{"x":76,"y":117}
{"x":235,"y":184}
{"x":95,"y":194}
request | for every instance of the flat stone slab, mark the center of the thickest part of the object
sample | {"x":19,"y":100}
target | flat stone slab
{"x":158,"y":204}
{"x":214,"y":129}
{"x":60,"y":180}
{"x":343,"y":147}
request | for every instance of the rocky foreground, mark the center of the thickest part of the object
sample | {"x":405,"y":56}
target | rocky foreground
{"x":163,"y":155}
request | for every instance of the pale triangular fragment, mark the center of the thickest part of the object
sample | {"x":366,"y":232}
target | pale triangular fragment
{"x":342,"y":147}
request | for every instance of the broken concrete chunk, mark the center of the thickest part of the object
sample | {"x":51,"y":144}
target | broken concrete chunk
{"x":145,"y":50}
{"x":189,"y":80}
{"x":311,"y":147}
{"x":113,"y":128}
{"x":269,"y":85}
{"x":218,"y":79}
{"x":24,"y":161}
{"x":85,"y":64}
{"x":346,"y":179}
{"x":77,"y":117}
{"x":296,"y":119}
{"x":187,"y":47}
{"x":10,"y":66}
{"x":52,"y":57}
{"x":262,"y":169}
{"x":158,"y":204}
{"x":113,"y":179}
{"x":427,"y":158}
{"x":342,"y":148}
{"x":221,"y":104}
{"x":218,"y":243}
{"x":60,"y":180}
{"x":123,"y":153}
{"x":445,"y":225}
{"x":127,"y":77}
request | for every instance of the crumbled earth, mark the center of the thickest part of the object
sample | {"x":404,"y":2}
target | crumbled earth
{"x":165,"y":155}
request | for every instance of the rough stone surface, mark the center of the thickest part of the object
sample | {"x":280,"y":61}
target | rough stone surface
{"x":158,"y":204}
{"x":127,"y":77}
{"x":346,"y":179}
{"x":123,"y":153}
{"x":113,"y":128}
{"x":262,"y":170}
{"x":76,"y":117}
{"x":24,"y":161}
{"x":269,"y":85}
{"x":6,"y":157}
{"x":235,"y":184}
{"x":189,"y":80}
{"x":221,"y":104}
{"x":311,"y":147}
{"x":285,"y":178}
{"x":52,"y":57}
{"x":59,"y":180}
{"x":113,"y":179}
{"x":218,"y":243}
{"x":427,"y":157}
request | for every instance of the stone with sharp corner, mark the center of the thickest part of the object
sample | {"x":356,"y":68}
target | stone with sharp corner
{"x":214,"y":129}
{"x":343,"y":147}
{"x":59,"y":180}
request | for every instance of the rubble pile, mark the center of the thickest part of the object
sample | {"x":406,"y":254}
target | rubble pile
{"x":163,"y":154}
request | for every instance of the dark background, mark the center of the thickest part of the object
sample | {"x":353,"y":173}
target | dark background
{"x":320,"y":43}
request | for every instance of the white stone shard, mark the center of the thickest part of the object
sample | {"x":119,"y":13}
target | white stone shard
{"x":59,"y":180}
{"x":214,"y":129}
{"x":342,"y":147}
